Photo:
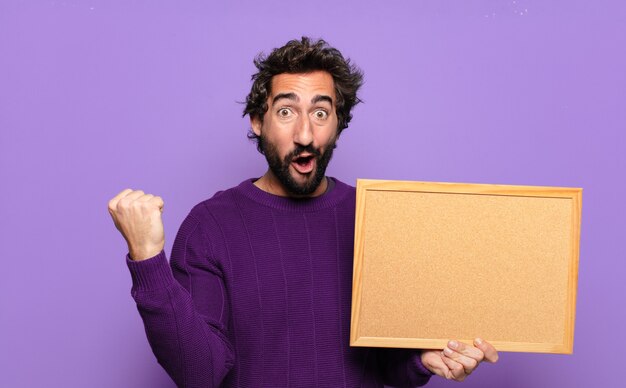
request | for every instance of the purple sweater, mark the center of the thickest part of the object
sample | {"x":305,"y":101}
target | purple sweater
{"x":259,"y":294}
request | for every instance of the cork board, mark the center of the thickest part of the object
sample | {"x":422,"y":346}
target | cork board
{"x":441,"y":261}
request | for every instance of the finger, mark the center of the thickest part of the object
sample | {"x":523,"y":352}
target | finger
{"x":159,"y":202}
{"x":153,"y":200}
{"x":113,"y":202}
{"x":456,"y":370}
{"x":468,"y":363}
{"x":491,"y":354}
{"x":467,"y":350}
{"x":144,"y":198}
{"x":130,"y":197}
{"x":433,"y":361}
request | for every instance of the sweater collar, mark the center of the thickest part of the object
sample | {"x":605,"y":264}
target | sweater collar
{"x":326,"y":200}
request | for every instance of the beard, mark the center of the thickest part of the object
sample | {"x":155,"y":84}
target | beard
{"x":280,"y":168}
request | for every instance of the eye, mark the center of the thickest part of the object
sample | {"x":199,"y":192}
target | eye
{"x":321,"y":114}
{"x":284,"y":112}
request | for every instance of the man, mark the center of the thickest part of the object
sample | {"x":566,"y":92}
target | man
{"x":259,"y":290}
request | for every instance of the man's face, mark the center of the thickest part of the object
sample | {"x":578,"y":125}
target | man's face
{"x":299,"y":130}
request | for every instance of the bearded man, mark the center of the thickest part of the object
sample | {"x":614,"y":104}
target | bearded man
{"x":258,"y":289}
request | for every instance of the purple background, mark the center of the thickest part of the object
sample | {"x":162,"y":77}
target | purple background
{"x":97,"y":96}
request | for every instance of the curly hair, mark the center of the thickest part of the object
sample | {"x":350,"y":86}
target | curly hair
{"x":303,"y":56}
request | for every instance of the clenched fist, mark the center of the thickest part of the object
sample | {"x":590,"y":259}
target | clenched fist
{"x":138,"y":217}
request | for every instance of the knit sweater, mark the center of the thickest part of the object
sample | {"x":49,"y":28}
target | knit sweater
{"x":258,"y":294}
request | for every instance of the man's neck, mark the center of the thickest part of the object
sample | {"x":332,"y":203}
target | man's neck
{"x":270,"y":184}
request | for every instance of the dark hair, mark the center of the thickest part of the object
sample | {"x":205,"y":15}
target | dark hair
{"x":303,"y":56}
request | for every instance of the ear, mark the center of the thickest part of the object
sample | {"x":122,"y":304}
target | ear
{"x":256,"y":124}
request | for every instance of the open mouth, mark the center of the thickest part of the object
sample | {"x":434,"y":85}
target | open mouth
{"x":303,"y":160}
{"x":303,"y":164}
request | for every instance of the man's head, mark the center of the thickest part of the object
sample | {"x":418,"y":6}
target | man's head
{"x":300,"y":102}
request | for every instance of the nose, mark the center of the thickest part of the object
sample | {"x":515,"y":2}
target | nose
{"x":303,"y":132}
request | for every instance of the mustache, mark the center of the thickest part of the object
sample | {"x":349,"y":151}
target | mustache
{"x":302,"y":149}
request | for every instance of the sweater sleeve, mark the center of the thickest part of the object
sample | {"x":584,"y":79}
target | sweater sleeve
{"x":184,"y":309}
{"x":403,"y":367}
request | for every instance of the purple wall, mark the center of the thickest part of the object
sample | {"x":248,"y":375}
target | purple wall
{"x":96,"y":96}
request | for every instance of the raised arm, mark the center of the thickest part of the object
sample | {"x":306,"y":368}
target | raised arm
{"x":184,"y":309}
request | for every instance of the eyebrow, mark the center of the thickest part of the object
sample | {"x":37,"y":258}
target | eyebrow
{"x":294,"y":97}
{"x":322,"y":97}
{"x":288,"y":96}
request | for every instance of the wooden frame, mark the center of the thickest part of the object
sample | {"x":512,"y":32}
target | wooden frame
{"x":441,"y":261}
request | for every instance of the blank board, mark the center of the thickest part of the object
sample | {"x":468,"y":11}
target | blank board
{"x":441,"y":261}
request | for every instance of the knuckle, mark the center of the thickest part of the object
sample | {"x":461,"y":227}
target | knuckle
{"x":144,"y":205}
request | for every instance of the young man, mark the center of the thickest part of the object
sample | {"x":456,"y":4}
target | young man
{"x":259,"y":290}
